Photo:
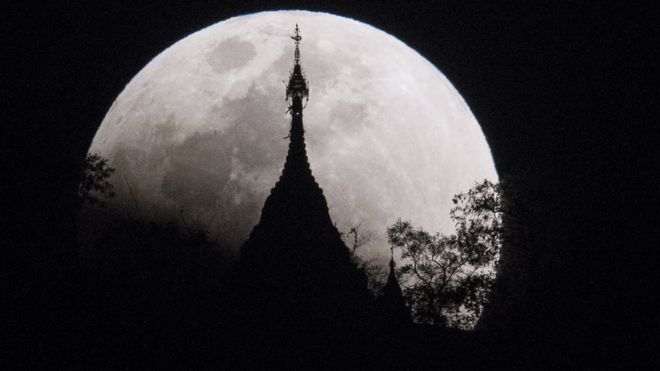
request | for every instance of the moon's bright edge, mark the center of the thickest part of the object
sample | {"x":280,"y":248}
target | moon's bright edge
{"x":198,"y":132}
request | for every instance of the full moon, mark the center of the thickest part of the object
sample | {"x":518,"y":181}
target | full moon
{"x":199,"y":133}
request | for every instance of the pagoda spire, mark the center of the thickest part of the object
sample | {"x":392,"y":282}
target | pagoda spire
{"x":295,"y":274}
{"x":392,"y":263}
{"x":297,"y":39}
{"x":391,"y":302}
{"x":392,"y":284}
{"x":297,"y":89}
{"x":296,"y":206}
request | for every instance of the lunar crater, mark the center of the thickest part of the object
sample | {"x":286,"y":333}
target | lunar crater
{"x":231,"y":54}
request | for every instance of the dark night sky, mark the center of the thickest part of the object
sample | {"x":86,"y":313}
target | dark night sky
{"x":564,"y":94}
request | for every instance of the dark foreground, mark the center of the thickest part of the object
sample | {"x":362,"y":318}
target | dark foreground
{"x":168,"y":304}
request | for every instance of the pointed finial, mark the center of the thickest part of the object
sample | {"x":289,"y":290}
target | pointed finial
{"x":297,"y":86}
{"x":297,"y":39}
{"x":297,"y":36}
{"x":392,"y":264}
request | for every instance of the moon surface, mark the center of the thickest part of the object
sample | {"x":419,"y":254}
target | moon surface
{"x":198,"y":133}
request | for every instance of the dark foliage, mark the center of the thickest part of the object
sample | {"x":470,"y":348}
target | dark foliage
{"x":448,"y":279}
{"x":355,"y":239}
{"x":94,"y":183}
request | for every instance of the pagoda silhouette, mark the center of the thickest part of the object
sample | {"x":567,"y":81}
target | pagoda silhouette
{"x":296,"y":285}
{"x":295,"y":222}
{"x":391,"y":305}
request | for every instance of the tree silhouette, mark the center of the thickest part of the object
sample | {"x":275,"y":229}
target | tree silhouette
{"x":355,"y":239}
{"x":94,"y":182}
{"x":448,"y":279}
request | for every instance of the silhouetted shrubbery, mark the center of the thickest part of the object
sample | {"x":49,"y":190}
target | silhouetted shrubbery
{"x":448,"y":279}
